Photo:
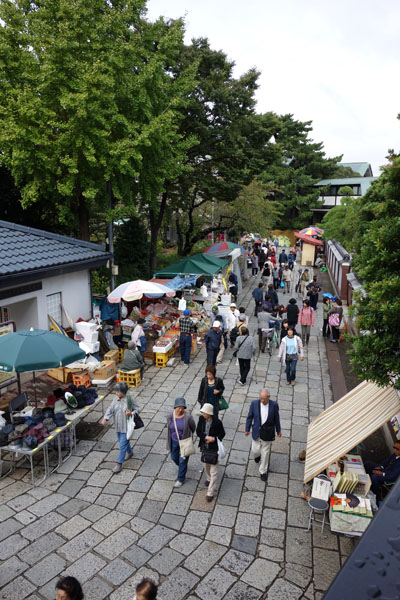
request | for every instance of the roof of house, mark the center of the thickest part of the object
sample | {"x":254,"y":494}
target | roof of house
{"x":25,"y":250}
{"x":363,"y":182}
{"x":358,"y":167}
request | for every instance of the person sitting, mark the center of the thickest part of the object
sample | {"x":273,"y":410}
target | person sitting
{"x":133,"y":359}
{"x":387,"y":472}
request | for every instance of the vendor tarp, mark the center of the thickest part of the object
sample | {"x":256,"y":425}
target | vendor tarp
{"x":347,"y":423}
{"x":198,"y":264}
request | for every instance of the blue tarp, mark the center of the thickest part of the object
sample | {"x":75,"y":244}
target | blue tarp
{"x":178,"y":282}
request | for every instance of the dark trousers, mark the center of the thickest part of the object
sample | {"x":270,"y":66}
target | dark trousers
{"x":261,"y":340}
{"x":244,"y":366}
{"x":376,"y":480}
{"x":325,"y":328}
{"x":276,"y":284}
{"x":314,"y":301}
{"x":212,"y":357}
{"x":335,"y":332}
{"x":185,"y":346}
{"x":291,"y":369}
{"x":257,"y":308}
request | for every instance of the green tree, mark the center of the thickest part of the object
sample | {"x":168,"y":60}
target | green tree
{"x":86,"y":96}
{"x":376,"y":347}
{"x":342,"y":223}
{"x":299,"y":164}
{"x":341,"y":172}
{"x":131,"y":250}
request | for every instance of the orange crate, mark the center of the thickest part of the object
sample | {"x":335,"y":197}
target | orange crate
{"x":81,"y":378}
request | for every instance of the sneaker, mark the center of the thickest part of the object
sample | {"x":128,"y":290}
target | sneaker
{"x":264,"y":476}
{"x":117,"y":468}
{"x":128,"y":455}
{"x":288,"y":383}
{"x":241,"y":382}
{"x":293,"y":383}
{"x":209,"y":498}
{"x":257,"y":459}
{"x":178,"y":484}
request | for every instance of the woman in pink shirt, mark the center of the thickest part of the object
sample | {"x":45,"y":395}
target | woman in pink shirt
{"x":306,"y":320}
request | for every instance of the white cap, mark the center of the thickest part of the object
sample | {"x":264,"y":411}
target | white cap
{"x":233,"y":304}
{"x":207,"y":409}
{"x":216,"y":323}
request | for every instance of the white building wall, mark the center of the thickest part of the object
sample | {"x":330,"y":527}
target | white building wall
{"x":30,"y":310}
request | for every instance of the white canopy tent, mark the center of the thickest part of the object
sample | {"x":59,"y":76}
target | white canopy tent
{"x":347,"y":423}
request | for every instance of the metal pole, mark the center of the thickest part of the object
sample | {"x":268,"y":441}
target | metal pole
{"x":110,"y":233}
{"x":212,"y":221}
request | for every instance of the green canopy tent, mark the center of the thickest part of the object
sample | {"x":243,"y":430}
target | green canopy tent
{"x":198,"y":264}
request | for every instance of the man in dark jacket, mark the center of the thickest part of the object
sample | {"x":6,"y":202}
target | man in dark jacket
{"x":209,"y":428}
{"x":263,"y":420}
{"x":212,"y":342}
{"x":233,"y":285}
{"x":273,"y":295}
{"x":387,"y":472}
{"x":258,"y":297}
{"x":283,"y":257}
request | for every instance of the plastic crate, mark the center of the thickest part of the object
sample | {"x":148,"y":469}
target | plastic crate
{"x":121,"y":352}
{"x":81,"y":378}
{"x":131,"y":378}
{"x":163,"y":358}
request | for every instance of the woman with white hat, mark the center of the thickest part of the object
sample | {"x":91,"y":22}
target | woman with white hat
{"x":180,"y":426}
{"x":209,"y":428}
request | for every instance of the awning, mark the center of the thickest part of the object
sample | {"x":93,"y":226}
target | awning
{"x":347,"y":423}
{"x":308,"y":239}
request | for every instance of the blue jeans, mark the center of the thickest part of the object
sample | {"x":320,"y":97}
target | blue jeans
{"x":185,"y":346}
{"x":182,"y":463}
{"x":124,"y":447}
{"x":291,"y":369}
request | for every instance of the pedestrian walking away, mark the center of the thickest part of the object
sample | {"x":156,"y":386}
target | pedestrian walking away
{"x":264,"y":319}
{"x":233,"y":285}
{"x":212,"y":342}
{"x":292,"y":312}
{"x":290,"y":350}
{"x":325,"y":316}
{"x":313,"y":290}
{"x":258,"y":296}
{"x":263,"y":421}
{"x":287,"y":277}
{"x":122,"y":406}
{"x":306,"y":320}
{"x":180,"y":426}
{"x":304,"y":281}
{"x":298,"y":284}
{"x":187,"y":328}
{"x":283,"y":258}
{"x":211,"y":389}
{"x":245,"y":350}
{"x":273,"y":295}
{"x":209,"y":429}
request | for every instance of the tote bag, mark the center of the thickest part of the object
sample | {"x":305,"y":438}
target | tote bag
{"x":186,"y":446}
{"x":130,"y":427}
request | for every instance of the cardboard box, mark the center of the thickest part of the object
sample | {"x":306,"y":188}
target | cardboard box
{"x":105,"y":370}
{"x":112,"y":355}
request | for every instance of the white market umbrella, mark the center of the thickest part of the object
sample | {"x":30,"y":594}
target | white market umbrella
{"x":135,"y":290}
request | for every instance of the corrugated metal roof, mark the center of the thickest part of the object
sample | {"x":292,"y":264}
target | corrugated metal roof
{"x":24,"y":249}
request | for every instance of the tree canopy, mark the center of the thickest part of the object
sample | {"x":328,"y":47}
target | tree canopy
{"x":376,"y":347}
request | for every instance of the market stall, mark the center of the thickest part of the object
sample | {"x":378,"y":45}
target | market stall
{"x":308,"y":248}
{"x":331,"y":437}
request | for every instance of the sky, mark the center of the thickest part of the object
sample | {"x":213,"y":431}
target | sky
{"x":333,"y":63}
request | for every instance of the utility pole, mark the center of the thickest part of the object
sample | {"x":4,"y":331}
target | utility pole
{"x":110,"y":233}
{"x":212,"y":221}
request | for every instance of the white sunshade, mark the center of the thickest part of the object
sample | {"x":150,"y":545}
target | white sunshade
{"x":135,"y":290}
{"x":347,"y":423}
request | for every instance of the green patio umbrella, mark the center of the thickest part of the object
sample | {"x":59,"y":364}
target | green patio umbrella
{"x":31,"y":350}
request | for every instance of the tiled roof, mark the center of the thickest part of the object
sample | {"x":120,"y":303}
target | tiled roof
{"x":24,"y":249}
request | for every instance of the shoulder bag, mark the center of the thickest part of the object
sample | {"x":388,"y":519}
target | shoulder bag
{"x":186,"y":446}
{"x":235,"y":353}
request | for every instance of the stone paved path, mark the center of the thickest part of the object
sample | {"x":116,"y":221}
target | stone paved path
{"x":109,"y":530}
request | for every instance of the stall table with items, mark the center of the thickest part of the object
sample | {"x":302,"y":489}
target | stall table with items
{"x":351,"y":503}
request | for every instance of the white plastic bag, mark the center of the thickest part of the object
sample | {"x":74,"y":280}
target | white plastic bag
{"x":130,"y":427}
{"x":221,"y":450}
{"x":182,"y":304}
{"x":2,"y":419}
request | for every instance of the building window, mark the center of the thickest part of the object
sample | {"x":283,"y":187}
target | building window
{"x":54,"y":307}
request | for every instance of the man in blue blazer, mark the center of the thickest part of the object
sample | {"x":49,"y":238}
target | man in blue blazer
{"x":263,"y":420}
{"x":387,"y":472}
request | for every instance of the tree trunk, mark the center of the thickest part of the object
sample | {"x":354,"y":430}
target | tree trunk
{"x":155,"y":226}
{"x":83,"y":215}
{"x":179,"y":234}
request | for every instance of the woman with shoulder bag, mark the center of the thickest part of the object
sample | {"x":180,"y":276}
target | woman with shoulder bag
{"x":244,"y":350}
{"x":209,"y":430}
{"x":211,"y":389}
{"x":290,"y":350}
{"x":180,"y":429}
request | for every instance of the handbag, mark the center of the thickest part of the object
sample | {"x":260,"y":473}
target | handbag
{"x":186,"y":446}
{"x":334,"y":320}
{"x":221,"y":450}
{"x":235,"y":353}
{"x":130,"y":427}
{"x":282,"y":284}
{"x":209,"y":456}
{"x":222,"y":404}
{"x":138,"y":421}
